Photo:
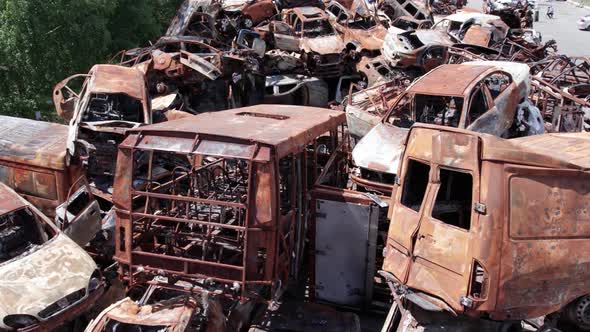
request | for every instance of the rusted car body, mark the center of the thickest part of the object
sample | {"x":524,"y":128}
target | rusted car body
{"x":33,"y":161}
{"x":563,"y":71}
{"x":490,"y":228}
{"x":361,"y":33}
{"x":112,"y":100}
{"x":365,"y":108}
{"x":409,"y":23}
{"x":416,"y":9}
{"x":483,"y":96}
{"x":561,"y":110}
{"x":229,"y":16}
{"x":516,"y":14}
{"x":420,"y":49}
{"x":46,"y":279}
{"x":308,"y":30}
{"x":221,"y":196}
{"x":487,"y":28}
{"x":177,"y":307}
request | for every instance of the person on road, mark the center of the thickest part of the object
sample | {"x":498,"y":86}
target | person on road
{"x":550,"y":11}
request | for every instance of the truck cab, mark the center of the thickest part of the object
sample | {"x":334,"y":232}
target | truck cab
{"x":221,"y":197}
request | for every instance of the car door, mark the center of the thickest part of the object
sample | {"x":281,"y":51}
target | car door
{"x":284,"y":37}
{"x":441,"y":261}
{"x":67,"y":93}
{"x":79,"y":216}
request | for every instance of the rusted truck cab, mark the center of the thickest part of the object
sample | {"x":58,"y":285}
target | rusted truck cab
{"x":221,"y":197}
{"x":491,"y":228}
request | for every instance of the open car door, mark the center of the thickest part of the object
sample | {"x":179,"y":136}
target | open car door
{"x":284,"y":37}
{"x":67,"y":93}
{"x":79,"y":216}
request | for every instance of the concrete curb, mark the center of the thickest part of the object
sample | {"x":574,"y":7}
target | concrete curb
{"x":577,"y":4}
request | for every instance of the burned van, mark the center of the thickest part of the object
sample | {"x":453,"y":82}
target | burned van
{"x":490,"y":228}
{"x":32,"y":161}
{"x":221,"y":197}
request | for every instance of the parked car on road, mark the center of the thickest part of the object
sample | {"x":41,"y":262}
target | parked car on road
{"x":584,"y":22}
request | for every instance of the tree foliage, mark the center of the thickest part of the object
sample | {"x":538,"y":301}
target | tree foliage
{"x":44,"y":41}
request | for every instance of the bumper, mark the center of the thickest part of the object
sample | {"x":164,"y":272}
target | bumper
{"x":67,"y":315}
{"x":583,"y":25}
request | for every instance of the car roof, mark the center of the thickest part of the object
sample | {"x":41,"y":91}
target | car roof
{"x":117,"y":79}
{"x":35,"y":143}
{"x":536,"y":150}
{"x":281,"y":126}
{"x":449,"y":80}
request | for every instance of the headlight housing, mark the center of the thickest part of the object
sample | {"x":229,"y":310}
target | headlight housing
{"x":20,"y":321}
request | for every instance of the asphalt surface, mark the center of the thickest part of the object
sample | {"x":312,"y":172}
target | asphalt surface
{"x":563,"y":27}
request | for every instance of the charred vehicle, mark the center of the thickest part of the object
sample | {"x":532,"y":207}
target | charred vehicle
{"x":163,"y":307}
{"x":484,"y":227}
{"x":46,"y":279}
{"x":112,"y":100}
{"x":487,"y":29}
{"x":32,"y":161}
{"x":308,"y":31}
{"x":483,"y":96}
{"x":361,"y":33}
{"x":409,"y":23}
{"x":227,"y":17}
{"x":221,"y":197}
{"x":517,"y":14}
{"x":416,"y":9}
{"x":421,"y":50}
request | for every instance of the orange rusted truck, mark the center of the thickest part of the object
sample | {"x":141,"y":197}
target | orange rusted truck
{"x":491,"y":229}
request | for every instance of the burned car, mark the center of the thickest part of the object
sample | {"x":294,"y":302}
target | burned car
{"x":483,"y":96}
{"x":421,"y":50}
{"x":163,"y":307}
{"x":409,"y":23}
{"x":112,"y":100}
{"x":473,"y":28}
{"x":228,"y":17}
{"x":46,"y":279}
{"x":361,"y":33}
{"x":308,"y":30}
{"x":491,"y":229}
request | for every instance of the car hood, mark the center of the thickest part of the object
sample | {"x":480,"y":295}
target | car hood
{"x":31,"y":283}
{"x":332,"y":44}
{"x":381,"y":149}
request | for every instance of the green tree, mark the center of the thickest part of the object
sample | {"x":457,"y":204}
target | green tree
{"x":44,"y":41}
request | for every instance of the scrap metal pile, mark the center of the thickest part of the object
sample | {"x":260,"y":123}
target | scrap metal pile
{"x":274,"y":165}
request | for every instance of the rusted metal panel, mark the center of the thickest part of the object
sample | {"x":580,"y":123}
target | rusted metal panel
{"x":33,"y":143}
{"x":263,"y":123}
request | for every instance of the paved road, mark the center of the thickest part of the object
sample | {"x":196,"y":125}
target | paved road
{"x":563,"y":27}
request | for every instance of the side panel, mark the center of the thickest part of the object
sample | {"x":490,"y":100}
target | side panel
{"x":545,"y":263}
{"x":346,"y":235}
